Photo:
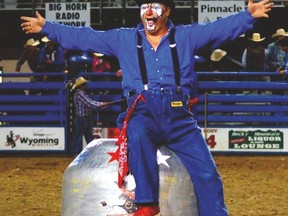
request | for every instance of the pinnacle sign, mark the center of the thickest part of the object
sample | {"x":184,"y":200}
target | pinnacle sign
{"x":212,"y":10}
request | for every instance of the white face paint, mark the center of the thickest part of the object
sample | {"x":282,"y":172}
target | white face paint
{"x":155,"y":7}
{"x":151,"y":27}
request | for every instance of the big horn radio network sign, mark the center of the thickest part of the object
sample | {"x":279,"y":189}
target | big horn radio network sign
{"x":72,"y":14}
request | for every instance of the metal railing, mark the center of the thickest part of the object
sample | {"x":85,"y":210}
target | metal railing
{"x":231,"y":102}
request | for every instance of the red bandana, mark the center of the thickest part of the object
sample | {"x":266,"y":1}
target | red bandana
{"x":121,"y":153}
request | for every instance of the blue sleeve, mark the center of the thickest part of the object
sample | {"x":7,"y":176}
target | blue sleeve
{"x":213,"y":34}
{"x":82,"y":38}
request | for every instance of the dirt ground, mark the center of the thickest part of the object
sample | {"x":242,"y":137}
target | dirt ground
{"x":254,"y":186}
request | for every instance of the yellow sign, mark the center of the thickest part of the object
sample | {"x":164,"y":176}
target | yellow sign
{"x":176,"y":104}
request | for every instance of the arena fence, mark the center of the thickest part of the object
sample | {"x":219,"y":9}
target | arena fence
{"x":238,"y":111}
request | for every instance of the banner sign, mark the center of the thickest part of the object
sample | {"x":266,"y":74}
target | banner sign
{"x":72,"y":14}
{"x":209,"y":11}
{"x":247,"y":139}
{"x":35,"y":138}
{"x":235,"y":139}
{"x":265,"y":140}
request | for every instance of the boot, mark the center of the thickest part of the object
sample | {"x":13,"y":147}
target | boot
{"x":147,"y":210}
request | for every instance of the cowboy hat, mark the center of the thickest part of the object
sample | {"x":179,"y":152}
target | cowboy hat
{"x":217,"y":55}
{"x":279,"y":32}
{"x":256,"y":37}
{"x":78,"y":82}
{"x":98,"y":54}
{"x":45,"y":39}
{"x":168,"y":3}
{"x":32,"y":42}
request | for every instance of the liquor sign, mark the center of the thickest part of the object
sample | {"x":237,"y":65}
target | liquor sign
{"x":247,"y":139}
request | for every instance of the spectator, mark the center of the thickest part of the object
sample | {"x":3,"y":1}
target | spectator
{"x":29,"y":54}
{"x":283,"y":44}
{"x":217,"y":60}
{"x":78,"y":61}
{"x":84,"y":106}
{"x":221,"y":61}
{"x":51,"y":59}
{"x":255,"y":57}
{"x":283,"y":69}
{"x":100,"y":65}
{"x":275,"y":56}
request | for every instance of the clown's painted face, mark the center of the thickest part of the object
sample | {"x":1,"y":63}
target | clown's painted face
{"x":151,"y":13}
{"x":155,"y":7}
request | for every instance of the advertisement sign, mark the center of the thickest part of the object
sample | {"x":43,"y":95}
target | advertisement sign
{"x":35,"y":138}
{"x":72,"y":14}
{"x":257,"y":140}
{"x":247,"y":139}
{"x":265,"y":140}
{"x":209,"y":11}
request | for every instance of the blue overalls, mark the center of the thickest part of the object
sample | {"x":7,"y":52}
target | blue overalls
{"x":155,"y":122}
{"x":163,"y":119}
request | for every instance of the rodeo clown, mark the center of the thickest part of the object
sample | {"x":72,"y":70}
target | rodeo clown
{"x":157,"y":63}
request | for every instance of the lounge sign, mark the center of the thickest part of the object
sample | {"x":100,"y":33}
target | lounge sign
{"x":258,"y":139}
{"x":247,"y":139}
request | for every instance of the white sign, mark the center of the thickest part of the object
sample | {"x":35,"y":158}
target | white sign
{"x":209,"y":11}
{"x":257,"y":140}
{"x":37,"y":138}
{"x":247,"y":139}
{"x":72,"y":14}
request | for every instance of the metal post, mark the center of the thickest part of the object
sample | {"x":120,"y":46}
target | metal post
{"x":192,"y":10}
{"x":101,"y":12}
{"x":124,"y":12}
{"x":33,"y":7}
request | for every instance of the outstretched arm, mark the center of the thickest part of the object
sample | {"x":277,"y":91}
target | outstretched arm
{"x":33,"y":24}
{"x":259,"y":9}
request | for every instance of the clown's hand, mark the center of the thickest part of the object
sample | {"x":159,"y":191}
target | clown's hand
{"x":33,"y":24}
{"x":260,"y":9}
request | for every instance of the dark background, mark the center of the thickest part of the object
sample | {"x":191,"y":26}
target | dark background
{"x":12,"y":37}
